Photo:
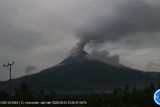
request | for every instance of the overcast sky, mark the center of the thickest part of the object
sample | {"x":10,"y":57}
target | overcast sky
{"x":37,"y":34}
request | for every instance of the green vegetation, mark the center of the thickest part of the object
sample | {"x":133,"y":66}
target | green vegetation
{"x":119,"y":97}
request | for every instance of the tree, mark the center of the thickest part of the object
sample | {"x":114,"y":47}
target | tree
{"x":23,"y":92}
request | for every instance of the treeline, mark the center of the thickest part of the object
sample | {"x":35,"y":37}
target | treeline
{"x":119,"y":97}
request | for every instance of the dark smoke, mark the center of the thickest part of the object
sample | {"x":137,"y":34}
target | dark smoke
{"x":134,"y":17}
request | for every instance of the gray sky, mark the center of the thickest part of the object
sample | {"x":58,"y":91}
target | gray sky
{"x":41,"y":33}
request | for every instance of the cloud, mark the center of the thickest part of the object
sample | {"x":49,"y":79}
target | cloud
{"x":30,"y":68}
{"x":32,"y":29}
{"x":104,"y":56}
{"x":41,"y":33}
{"x":133,"y":17}
{"x":152,"y":66}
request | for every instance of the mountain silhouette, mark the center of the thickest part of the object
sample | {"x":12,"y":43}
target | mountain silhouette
{"x":80,"y":57}
{"x":80,"y":72}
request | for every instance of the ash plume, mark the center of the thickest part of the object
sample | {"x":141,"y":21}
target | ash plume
{"x":105,"y":57}
{"x":133,"y":17}
{"x":30,"y":68}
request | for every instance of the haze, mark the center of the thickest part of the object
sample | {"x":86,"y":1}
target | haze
{"x":37,"y":34}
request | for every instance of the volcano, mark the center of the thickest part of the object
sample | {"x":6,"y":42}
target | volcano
{"x":80,"y":57}
{"x":80,"y":73}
